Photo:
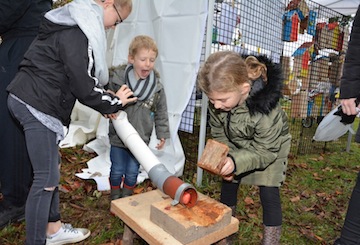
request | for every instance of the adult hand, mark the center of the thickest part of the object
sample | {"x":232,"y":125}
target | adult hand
{"x":349,"y":106}
{"x":125,"y":94}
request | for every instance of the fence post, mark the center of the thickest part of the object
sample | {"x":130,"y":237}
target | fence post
{"x":204,"y":100}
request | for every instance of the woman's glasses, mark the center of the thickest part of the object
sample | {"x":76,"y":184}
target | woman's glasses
{"x":118,"y":21}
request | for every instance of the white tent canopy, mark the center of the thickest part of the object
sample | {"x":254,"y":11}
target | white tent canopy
{"x":345,"y":7}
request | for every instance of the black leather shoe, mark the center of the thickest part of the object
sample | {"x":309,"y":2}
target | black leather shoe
{"x":11,"y":214}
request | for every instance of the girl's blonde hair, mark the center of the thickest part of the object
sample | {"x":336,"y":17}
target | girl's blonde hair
{"x":124,"y":4}
{"x":223,"y":71}
{"x":142,"y":41}
{"x":256,"y":69}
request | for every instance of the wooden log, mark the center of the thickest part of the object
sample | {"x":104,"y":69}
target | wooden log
{"x":213,"y":156}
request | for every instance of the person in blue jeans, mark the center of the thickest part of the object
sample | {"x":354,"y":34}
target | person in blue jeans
{"x":150,"y":109}
{"x":66,"y":62}
{"x":349,"y":93}
{"x":19,"y":25}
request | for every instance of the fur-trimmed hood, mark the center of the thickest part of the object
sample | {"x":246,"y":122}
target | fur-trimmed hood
{"x":265,"y":97}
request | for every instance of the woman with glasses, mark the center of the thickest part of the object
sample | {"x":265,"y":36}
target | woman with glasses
{"x":65,"y":62}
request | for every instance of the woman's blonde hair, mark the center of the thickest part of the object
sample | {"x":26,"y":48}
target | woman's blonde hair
{"x":124,"y":4}
{"x":142,"y":41}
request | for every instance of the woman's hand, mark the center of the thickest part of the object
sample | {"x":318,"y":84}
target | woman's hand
{"x":125,"y":94}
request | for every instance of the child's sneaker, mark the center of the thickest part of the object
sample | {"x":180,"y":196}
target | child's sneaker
{"x":68,"y":235}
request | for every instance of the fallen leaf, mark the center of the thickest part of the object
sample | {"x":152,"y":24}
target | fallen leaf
{"x":309,"y":209}
{"x":321,"y":194}
{"x":253,"y":216}
{"x":138,"y":190}
{"x":305,"y":194}
{"x":311,"y":235}
{"x":76,"y":185}
{"x":295,"y":199}
{"x":88,"y":187}
{"x":64,"y":188}
{"x":77,"y":206}
{"x":248,"y":200}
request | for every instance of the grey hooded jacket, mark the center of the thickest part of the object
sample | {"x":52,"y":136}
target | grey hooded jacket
{"x":142,"y":115}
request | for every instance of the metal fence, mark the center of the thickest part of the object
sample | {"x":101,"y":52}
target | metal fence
{"x":307,"y":39}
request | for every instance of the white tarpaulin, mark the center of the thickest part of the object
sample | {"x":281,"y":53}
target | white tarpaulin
{"x":178,"y":28}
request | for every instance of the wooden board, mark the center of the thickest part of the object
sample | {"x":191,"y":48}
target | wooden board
{"x":135,"y":212}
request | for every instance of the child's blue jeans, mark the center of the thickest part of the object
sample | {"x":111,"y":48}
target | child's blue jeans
{"x":123,"y":164}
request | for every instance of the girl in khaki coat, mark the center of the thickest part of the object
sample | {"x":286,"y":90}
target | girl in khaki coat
{"x":245,"y":114}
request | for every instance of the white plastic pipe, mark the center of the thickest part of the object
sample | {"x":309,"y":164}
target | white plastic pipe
{"x":174,"y":187}
{"x":133,"y":141}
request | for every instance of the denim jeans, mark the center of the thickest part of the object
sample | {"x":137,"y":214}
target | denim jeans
{"x":123,"y":164}
{"x":41,"y":205}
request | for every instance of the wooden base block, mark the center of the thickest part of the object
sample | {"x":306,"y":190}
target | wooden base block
{"x":135,"y":211}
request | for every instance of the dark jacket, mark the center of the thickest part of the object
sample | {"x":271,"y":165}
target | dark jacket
{"x":21,"y":17}
{"x":19,"y":25}
{"x":142,"y":115}
{"x":350,"y":80}
{"x":57,"y":69}
{"x":256,"y":132}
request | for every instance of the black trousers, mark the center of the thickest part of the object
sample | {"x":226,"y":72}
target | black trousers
{"x":350,"y":233}
{"x":269,"y":196}
{"x":15,"y":167}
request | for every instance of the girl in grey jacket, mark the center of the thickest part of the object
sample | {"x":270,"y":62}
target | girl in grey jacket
{"x":245,"y":114}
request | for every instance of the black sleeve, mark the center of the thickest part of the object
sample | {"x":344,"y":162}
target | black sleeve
{"x":350,"y":82}
{"x":79,"y":67}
